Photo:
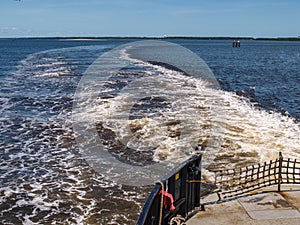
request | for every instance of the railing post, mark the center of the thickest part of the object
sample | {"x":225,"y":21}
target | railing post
{"x":279,"y":172}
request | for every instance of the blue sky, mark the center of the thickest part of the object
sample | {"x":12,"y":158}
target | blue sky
{"x":258,"y":18}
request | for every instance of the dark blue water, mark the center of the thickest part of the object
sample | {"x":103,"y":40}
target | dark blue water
{"x":266,"y":72}
{"x":43,"y":177}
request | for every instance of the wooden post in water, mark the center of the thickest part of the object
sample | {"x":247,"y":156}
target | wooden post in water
{"x":236,"y":44}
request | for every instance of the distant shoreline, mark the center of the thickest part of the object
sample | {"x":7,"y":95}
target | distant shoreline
{"x":160,"y":38}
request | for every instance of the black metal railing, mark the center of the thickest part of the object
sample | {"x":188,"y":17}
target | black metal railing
{"x":232,"y":183}
{"x":176,"y":185}
{"x":183,"y":183}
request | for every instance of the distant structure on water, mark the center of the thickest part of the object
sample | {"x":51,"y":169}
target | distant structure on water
{"x":236,"y":44}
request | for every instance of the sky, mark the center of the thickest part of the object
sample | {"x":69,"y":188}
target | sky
{"x":86,"y":18}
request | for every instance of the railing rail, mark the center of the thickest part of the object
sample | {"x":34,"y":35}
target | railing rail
{"x":186,"y":195}
{"x":236,"y":182}
{"x":183,"y":183}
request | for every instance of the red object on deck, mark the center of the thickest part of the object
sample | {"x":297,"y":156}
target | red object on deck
{"x":168,"y":200}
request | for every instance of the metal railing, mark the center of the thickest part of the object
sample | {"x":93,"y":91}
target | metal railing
{"x":186,"y":194}
{"x":236,"y":182}
{"x":183,"y":183}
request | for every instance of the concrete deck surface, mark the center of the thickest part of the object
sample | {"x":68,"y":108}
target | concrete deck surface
{"x":263,"y":207}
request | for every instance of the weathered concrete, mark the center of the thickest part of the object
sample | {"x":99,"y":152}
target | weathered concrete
{"x":263,"y":207}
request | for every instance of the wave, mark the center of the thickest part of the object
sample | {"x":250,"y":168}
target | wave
{"x":161,"y":115}
{"x":44,"y":175}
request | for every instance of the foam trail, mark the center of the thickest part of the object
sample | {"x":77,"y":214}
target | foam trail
{"x":45,"y":180}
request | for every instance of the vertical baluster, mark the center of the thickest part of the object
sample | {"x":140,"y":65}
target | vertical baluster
{"x":269,"y":172}
{"x":279,"y":171}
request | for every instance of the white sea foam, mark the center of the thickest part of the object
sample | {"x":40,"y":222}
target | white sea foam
{"x":46,"y":180}
{"x":238,"y":126}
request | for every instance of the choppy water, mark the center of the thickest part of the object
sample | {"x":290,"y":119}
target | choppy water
{"x":44,"y":178}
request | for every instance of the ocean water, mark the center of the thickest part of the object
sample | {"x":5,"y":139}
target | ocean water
{"x":45,"y":175}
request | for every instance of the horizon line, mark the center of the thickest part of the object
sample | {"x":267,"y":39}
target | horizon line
{"x":297,"y":38}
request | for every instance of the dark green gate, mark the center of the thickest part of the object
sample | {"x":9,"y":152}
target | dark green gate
{"x":184,"y":186}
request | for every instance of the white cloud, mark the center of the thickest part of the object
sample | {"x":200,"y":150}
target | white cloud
{"x":15,"y":32}
{"x":201,"y":11}
{"x":8,"y":29}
